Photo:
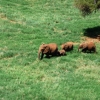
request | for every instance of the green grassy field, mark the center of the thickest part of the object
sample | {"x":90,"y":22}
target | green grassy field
{"x":24,"y":26}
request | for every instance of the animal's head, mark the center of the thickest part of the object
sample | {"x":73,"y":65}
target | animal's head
{"x":62,"y":46}
{"x":43,"y":49}
{"x":80,"y":46}
{"x":83,"y":46}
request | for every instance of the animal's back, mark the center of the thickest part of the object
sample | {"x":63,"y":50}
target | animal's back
{"x":91,"y":45}
{"x":53,"y":47}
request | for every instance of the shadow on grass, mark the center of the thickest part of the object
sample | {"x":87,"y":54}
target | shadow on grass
{"x":55,"y":56}
{"x":92,"y":32}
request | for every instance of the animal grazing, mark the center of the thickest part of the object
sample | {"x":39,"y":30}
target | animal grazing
{"x":87,"y":47}
{"x":50,"y":49}
{"x":61,"y":52}
{"x":67,"y":46}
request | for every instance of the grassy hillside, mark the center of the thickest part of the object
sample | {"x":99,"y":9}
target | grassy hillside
{"x":24,"y":26}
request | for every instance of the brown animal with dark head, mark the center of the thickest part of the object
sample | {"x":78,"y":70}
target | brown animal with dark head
{"x":61,"y":52}
{"x":67,"y":46}
{"x":48,"y":49}
{"x":87,"y":47}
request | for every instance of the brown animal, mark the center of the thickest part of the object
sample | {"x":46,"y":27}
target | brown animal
{"x":48,"y":49}
{"x":67,"y":46}
{"x":61,"y":52}
{"x":87,"y":47}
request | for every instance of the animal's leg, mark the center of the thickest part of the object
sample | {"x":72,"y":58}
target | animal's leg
{"x":42,"y":56}
{"x":83,"y":50}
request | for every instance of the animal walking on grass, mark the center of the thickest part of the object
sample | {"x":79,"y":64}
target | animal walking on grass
{"x":50,"y":49}
{"x":87,"y":47}
{"x":67,"y":46}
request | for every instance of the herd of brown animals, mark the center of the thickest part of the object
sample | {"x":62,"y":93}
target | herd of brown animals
{"x":51,"y":49}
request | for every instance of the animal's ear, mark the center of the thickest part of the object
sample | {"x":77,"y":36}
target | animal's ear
{"x":85,"y":45}
{"x":81,"y":45}
{"x":65,"y":46}
{"x":46,"y":49}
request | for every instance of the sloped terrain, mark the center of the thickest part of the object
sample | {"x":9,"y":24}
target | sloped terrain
{"x":24,"y":26}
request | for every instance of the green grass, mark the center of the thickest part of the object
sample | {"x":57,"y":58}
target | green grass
{"x":24,"y":26}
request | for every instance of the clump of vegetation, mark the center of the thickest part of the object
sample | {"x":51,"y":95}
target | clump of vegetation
{"x":87,"y":6}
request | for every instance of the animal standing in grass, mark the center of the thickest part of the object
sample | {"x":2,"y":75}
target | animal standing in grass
{"x":50,"y":49}
{"x":61,"y":52}
{"x":67,"y":46}
{"x":87,"y":47}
